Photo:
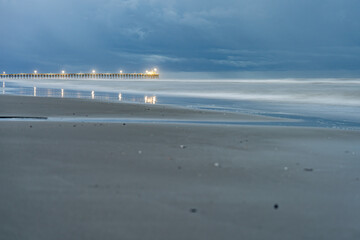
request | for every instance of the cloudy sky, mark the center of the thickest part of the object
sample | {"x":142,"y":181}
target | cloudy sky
{"x":180,"y":35}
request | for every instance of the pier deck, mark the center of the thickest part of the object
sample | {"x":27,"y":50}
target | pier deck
{"x":80,"y":76}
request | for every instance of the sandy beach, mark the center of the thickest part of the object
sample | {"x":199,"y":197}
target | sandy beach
{"x":99,"y":180}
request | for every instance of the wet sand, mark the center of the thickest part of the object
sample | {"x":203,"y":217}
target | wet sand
{"x":64,"y":107}
{"x":64,"y":180}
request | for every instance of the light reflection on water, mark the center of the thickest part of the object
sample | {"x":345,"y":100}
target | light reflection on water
{"x":13,"y":89}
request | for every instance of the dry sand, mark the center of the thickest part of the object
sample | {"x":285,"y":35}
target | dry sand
{"x":64,"y":180}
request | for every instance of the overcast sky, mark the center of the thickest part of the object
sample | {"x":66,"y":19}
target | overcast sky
{"x":180,"y":35}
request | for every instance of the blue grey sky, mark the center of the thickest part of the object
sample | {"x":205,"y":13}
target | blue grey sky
{"x":180,"y":36}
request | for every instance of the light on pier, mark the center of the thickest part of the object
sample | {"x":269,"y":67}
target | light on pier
{"x":4,"y":72}
{"x":35,"y":71}
{"x":151,"y":72}
{"x":63,"y":72}
{"x":93,"y":71}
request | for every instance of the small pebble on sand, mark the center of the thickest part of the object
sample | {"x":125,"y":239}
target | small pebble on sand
{"x":193,"y":210}
{"x":182,"y":146}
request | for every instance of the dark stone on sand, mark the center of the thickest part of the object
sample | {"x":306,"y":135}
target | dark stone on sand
{"x":308,"y":169}
{"x":193,"y":210}
{"x":276,"y":206}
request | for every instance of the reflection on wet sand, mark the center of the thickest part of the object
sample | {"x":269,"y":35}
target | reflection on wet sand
{"x":62,"y":93}
{"x":34,"y":91}
{"x":3,"y":88}
{"x":92,"y":94}
{"x":120,"y":97}
{"x":151,"y":100}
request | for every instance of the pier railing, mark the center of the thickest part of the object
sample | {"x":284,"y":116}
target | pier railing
{"x":80,"y":76}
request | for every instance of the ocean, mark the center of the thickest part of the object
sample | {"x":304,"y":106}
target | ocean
{"x":328,"y":103}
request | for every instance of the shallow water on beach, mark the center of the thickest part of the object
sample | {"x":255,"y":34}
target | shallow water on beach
{"x":329,"y":103}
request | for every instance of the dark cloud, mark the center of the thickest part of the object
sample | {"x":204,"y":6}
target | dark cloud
{"x":227,"y":35}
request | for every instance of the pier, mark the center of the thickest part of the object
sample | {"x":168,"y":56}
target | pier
{"x":35,"y":75}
